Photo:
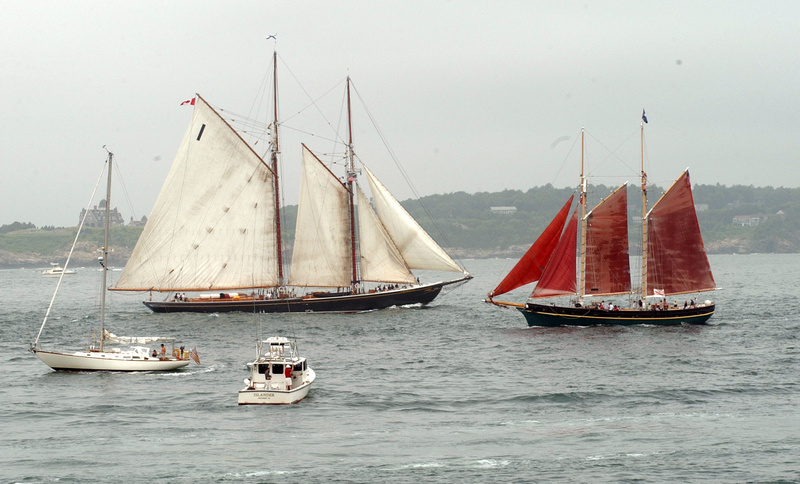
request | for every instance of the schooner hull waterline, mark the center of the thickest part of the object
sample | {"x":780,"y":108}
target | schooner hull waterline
{"x":549,"y":316}
{"x":319,"y":302}
{"x":215,"y":232}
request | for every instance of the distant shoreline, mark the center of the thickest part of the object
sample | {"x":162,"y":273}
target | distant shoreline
{"x":10,"y":260}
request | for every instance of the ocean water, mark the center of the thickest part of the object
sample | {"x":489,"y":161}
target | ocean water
{"x":459,"y":391}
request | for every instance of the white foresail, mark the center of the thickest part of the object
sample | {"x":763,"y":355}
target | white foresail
{"x":380,"y":259}
{"x":212,"y":226}
{"x":321,"y":254}
{"x":418,"y":249}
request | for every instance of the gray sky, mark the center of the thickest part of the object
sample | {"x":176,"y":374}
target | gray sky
{"x":471,"y":96}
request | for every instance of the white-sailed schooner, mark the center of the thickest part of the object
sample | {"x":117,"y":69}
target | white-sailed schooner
{"x":215,"y":230}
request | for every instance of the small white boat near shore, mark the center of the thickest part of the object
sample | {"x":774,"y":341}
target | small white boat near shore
{"x":278,"y":376}
{"x":56,"y":270}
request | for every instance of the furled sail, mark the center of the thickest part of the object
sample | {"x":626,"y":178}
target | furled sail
{"x":530,"y":266}
{"x":322,"y":243}
{"x":380,"y":259}
{"x":418,"y":249}
{"x":212,"y":224}
{"x":607,"y":262}
{"x":559,"y":277}
{"x":676,"y":257}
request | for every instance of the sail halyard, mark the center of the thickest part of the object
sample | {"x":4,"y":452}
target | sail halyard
{"x":212,"y":226}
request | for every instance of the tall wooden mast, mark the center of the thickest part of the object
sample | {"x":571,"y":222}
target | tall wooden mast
{"x":351,"y":174}
{"x":582,"y":276}
{"x":274,"y":160}
{"x":644,"y":215}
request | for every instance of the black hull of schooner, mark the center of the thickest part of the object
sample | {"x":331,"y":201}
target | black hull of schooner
{"x":544,"y":315}
{"x":317,"y":303}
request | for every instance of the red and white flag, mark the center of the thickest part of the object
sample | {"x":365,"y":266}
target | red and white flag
{"x":193,"y":355}
{"x":188,"y":101}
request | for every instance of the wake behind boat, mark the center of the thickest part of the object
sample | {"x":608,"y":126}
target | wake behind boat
{"x":101,"y":354}
{"x":215,"y":232}
{"x":278,"y":376}
{"x":674,"y":262}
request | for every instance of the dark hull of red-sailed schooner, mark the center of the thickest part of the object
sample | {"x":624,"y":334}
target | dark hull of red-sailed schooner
{"x":544,"y":315}
{"x":319,"y":303}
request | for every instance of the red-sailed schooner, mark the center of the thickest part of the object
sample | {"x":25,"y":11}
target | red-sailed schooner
{"x":674,"y":262}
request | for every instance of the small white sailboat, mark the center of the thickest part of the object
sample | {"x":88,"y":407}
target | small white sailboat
{"x":278,"y":376}
{"x":56,"y":270}
{"x":101,"y":355}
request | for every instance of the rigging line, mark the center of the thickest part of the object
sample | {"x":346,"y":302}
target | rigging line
{"x":119,"y":178}
{"x":66,"y":264}
{"x":400,"y":168}
{"x":312,"y":101}
{"x":613,"y":153}
{"x":308,"y":133}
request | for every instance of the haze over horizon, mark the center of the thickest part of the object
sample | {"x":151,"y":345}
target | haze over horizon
{"x":471,"y":96}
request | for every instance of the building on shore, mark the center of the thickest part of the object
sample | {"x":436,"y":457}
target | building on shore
{"x":97,"y":216}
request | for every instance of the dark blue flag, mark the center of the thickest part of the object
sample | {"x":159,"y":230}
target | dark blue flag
{"x":644,"y":116}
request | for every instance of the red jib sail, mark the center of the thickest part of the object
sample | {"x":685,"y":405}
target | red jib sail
{"x":558,"y":277}
{"x":607,"y":263}
{"x":676,"y":258}
{"x":530,"y":266}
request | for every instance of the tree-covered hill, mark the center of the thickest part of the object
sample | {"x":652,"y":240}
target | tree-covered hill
{"x":737,"y":219}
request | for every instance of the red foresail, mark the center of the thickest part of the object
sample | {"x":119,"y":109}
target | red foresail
{"x":530,"y":266}
{"x":558,"y":277}
{"x":676,"y":258}
{"x":607,"y":262}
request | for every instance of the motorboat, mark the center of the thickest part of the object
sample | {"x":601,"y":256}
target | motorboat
{"x":56,"y":270}
{"x":278,"y":375}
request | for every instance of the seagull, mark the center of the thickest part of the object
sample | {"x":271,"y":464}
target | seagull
{"x":273,"y":36}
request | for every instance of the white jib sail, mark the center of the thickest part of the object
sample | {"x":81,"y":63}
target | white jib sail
{"x":380,"y":259}
{"x":321,"y":255}
{"x":212,"y":226}
{"x":418,"y":249}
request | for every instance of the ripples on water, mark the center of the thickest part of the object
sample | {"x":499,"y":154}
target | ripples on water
{"x":458,"y":391}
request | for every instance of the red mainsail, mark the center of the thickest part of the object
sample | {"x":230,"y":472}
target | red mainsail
{"x":607,"y":263}
{"x":676,"y":258}
{"x":558,"y":277}
{"x":530,"y":267}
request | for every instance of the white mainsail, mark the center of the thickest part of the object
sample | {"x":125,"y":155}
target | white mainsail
{"x":418,"y":249}
{"x":322,"y":247}
{"x":380,"y":259}
{"x":212,"y":226}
